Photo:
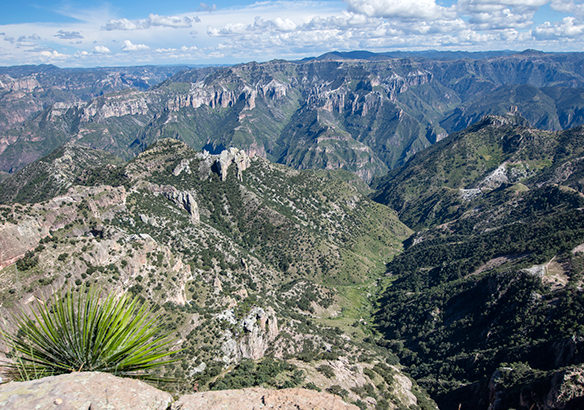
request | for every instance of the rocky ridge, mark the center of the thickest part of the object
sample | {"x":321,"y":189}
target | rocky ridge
{"x":363,"y":116}
{"x":200,"y":238}
{"x":105,"y":391}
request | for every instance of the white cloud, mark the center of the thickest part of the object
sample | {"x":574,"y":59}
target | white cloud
{"x":568,"y":7}
{"x":284,"y":29}
{"x":207,"y":7}
{"x":128,"y":46}
{"x":229,"y":29}
{"x":486,"y":6}
{"x":68,"y":35}
{"x":153,"y":20}
{"x":403,"y":9}
{"x":499,"y":14}
{"x":500,"y":19}
{"x":100,"y":50}
{"x":53,"y":54}
{"x":284,"y":24}
{"x":174,"y":22}
{"x":124,"y":24}
{"x":567,"y":28}
{"x":23,"y":41}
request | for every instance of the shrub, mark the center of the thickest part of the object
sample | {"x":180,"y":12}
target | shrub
{"x":87,"y":332}
{"x":326,"y":370}
{"x":29,"y":261}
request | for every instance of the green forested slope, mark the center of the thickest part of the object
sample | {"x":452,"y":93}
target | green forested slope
{"x":495,"y":277}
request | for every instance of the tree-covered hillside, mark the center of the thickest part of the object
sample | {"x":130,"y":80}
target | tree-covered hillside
{"x":492,"y":280}
{"x":255,"y":268}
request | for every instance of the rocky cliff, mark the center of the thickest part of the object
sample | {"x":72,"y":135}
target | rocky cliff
{"x":330,"y":113}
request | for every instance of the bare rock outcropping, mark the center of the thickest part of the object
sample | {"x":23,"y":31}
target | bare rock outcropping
{"x":102,"y":391}
{"x":220,"y":163}
{"x":258,"y":398}
{"x":561,"y":390}
{"x":186,"y":200}
{"x":259,"y":329}
{"x":87,"y":390}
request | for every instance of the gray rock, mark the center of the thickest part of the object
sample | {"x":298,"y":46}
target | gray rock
{"x":258,"y":398}
{"x":82,"y":391}
{"x":186,"y":200}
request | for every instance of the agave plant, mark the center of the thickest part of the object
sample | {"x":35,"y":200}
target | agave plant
{"x":87,"y":332}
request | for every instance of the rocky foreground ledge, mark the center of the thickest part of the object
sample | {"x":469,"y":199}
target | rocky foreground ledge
{"x":103,"y":391}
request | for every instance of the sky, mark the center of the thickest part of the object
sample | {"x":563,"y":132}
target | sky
{"x":147,"y":32}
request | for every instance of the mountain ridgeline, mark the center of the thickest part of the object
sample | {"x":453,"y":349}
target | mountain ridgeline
{"x":402,"y":231}
{"x":264,"y":274}
{"x":363,"y":113}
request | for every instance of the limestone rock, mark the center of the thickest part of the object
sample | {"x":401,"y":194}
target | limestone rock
{"x":186,"y":200}
{"x":260,"y":329}
{"x":258,"y":398}
{"x":183,"y":166}
{"x":220,"y":163}
{"x":116,"y":105}
{"x":74,"y":391}
{"x":232,"y":156}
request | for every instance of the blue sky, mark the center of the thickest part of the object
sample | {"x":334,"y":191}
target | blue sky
{"x":75,"y":34}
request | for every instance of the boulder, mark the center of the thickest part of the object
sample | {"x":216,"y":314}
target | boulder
{"x":82,"y":391}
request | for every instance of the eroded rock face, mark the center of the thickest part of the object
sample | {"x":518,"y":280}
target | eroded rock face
{"x":257,"y":398}
{"x":17,"y":238}
{"x":220,"y":162}
{"x":561,"y":390}
{"x":232,"y":156}
{"x":187,"y":201}
{"x":259,"y":329}
{"x":130,"y":103}
{"x":87,"y":390}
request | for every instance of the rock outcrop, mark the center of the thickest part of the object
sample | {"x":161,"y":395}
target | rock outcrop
{"x":101,"y":391}
{"x":258,"y":398}
{"x":219,"y":163}
{"x":87,"y":390}
{"x":227,"y":157}
{"x":567,"y":390}
{"x":232,"y":156}
{"x":17,"y":239}
{"x":23,"y":235}
{"x":560,"y":390}
{"x":187,"y":201}
{"x":259,"y":329}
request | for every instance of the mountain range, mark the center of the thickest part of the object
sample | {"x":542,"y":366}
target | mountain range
{"x":444,"y":271}
{"x":363,"y":113}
